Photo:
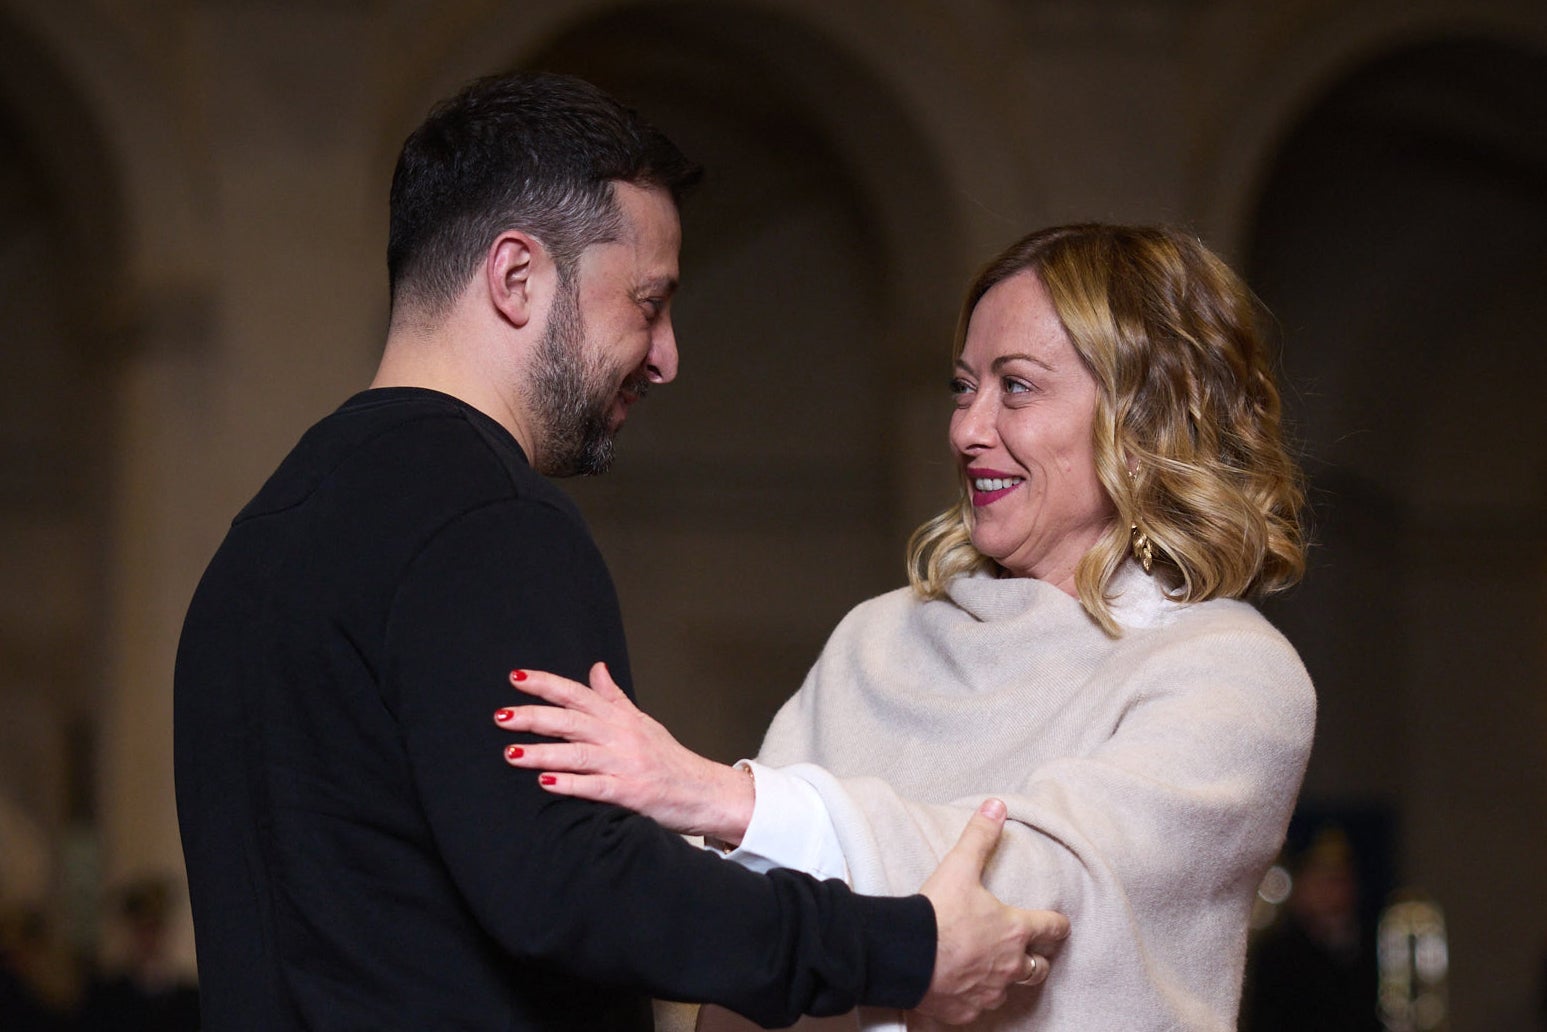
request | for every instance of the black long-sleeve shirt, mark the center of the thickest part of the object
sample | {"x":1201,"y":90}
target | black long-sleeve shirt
{"x":359,"y":854}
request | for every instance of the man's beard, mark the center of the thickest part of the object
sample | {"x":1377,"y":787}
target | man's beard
{"x":571,"y":398}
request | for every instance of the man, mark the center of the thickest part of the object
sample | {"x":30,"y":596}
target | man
{"x":358,"y":855}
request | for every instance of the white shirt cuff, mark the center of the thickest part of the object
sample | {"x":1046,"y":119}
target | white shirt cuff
{"x":790,"y":827}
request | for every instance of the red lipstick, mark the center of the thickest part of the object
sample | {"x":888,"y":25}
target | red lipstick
{"x":987,"y":486}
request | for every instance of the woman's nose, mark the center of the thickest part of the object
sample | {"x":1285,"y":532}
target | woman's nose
{"x":972,"y":427}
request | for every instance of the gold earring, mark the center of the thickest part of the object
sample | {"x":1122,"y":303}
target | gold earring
{"x":1142,"y":549}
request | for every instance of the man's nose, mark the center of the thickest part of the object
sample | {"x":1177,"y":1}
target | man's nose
{"x":661,"y":362}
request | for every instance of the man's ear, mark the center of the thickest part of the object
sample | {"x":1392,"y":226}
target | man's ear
{"x":512,"y":271}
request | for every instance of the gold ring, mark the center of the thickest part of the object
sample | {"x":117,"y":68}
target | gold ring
{"x":1036,"y":969}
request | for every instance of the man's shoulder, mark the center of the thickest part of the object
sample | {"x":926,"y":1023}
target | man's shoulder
{"x":406,"y":448}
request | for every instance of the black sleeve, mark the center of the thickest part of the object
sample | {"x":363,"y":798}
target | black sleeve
{"x":600,"y":892}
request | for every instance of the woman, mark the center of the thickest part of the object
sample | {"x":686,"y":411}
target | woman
{"x":1072,"y":642}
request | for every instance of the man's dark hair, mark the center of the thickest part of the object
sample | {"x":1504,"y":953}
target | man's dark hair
{"x":531,"y":151}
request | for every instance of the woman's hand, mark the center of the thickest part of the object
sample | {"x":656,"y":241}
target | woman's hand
{"x":613,"y":753}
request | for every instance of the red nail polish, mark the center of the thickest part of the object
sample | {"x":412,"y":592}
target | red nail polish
{"x":547,"y":779}
{"x":504,"y":714}
{"x":514,"y":752}
{"x":518,"y":675}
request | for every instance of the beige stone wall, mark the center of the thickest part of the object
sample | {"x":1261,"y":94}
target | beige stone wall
{"x":212,"y":226}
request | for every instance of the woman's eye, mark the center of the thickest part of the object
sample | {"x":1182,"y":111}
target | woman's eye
{"x":1010,"y":385}
{"x":960,"y":387}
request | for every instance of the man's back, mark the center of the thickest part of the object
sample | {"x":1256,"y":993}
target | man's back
{"x":321,"y":891}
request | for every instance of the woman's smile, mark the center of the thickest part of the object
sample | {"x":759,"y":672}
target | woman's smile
{"x":990,"y":485}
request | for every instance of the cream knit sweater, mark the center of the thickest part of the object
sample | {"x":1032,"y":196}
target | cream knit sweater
{"x":1149,"y":778}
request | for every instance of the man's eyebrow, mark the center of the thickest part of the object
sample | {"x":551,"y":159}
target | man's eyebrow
{"x":664,"y":285}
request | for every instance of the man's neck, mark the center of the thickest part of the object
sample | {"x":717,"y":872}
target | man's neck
{"x":442,"y":360}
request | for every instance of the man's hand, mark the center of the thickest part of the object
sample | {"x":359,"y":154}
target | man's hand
{"x":984,"y":945}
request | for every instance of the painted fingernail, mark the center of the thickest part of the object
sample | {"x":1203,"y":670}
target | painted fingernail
{"x":514,"y":752}
{"x":547,"y":779}
{"x":504,"y":714}
{"x":518,"y":676}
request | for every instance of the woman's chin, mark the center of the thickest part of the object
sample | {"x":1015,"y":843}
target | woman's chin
{"x":998,"y":556}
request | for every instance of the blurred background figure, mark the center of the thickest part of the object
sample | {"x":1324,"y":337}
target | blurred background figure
{"x":37,"y":982}
{"x":146,"y":991}
{"x":1314,"y":969}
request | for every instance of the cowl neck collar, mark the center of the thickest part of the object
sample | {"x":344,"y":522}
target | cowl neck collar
{"x":1138,"y":599}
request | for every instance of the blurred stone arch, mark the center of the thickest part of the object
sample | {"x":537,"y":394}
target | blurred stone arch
{"x":1400,"y":235}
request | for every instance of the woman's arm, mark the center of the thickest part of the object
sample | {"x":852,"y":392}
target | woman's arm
{"x":615,"y":753}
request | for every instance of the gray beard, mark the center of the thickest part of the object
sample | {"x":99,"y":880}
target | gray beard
{"x":570,"y":402}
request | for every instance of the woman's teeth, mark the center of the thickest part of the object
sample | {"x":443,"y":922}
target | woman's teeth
{"x":995,"y":483}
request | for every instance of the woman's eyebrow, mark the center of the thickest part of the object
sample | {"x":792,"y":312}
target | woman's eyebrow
{"x":1003,"y":360}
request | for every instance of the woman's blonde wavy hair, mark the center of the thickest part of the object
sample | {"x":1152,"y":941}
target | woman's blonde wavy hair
{"x":1185,"y":398}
